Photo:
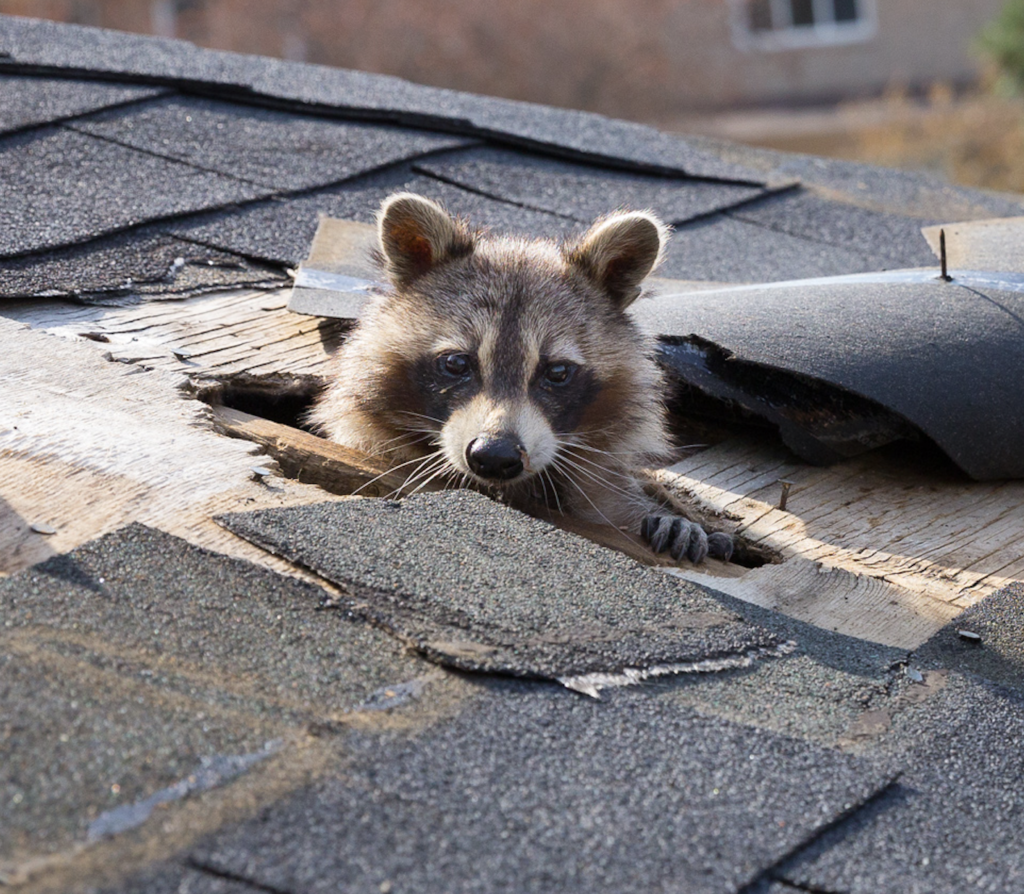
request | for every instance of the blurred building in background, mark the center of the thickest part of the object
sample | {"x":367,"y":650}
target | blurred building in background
{"x":641,"y":59}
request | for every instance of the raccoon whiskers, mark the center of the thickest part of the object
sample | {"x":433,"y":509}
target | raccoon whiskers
{"x":568,"y":477}
{"x":376,"y":478}
{"x":594,"y":475}
{"x":403,"y":441}
{"x":430,"y":466}
{"x":545,"y":480}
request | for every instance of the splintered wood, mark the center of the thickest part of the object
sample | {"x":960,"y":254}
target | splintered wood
{"x":89,"y":444}
{"x":96,"y":432}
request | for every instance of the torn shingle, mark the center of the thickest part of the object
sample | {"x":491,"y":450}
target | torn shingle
{"x":488,"y":588}
{"x":536,"y":790}
{"x":946,"y":358}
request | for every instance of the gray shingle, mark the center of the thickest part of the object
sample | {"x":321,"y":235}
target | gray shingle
{"x":581,"y":191}
{"x":62,"y":187}
{"x":889,"y":240}
{"x":278,"y":150}
{"x":488,"y":588}
{"x":723,"y":249}
{"x":999,"y":620}
{"x":948,"y":359}
{"x":574,"y":134}
{"x":156,"y":594}
{"x":283,"y":231}
{"x":27,"y":100}
{"x":130,"y":264}
{"x":954,"y":822}
{"x":534,"y":790}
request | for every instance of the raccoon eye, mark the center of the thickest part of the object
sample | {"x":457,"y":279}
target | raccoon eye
{"x":457,"y":365}
{"x":559,"y":373}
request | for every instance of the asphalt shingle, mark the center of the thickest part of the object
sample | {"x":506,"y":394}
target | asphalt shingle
{"x":953,"y":823}
{"x":722,"y":248}
{"x":280,"y":644}
{"x":580,"y":191}
{"x":571,"y":133}
{"x":998,"y":620}
{"x":534,"y":789}
{"x":283,"y":231}
{"x":61,"y":187}
{"x":29,"y":100}
{"x":278,"y":150}
{"x":908,"y":346}
{"x":76,"y":741}
{"x":126,"y":265}
{"x":488,"y":588}
{"x":887,"y":241}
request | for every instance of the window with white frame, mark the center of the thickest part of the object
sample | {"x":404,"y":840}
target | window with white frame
{"x":788,"y":24}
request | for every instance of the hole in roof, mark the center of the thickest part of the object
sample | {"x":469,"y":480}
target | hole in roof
{"x":286,"y":400}
{"x":282,"y":399}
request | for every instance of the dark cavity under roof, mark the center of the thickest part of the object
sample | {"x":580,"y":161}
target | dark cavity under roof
{"x":536,"y":790}
{"x":488,"y":588}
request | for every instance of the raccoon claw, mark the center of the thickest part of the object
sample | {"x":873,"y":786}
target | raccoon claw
{"x":720,"y":546}
{"x":680,"y":537}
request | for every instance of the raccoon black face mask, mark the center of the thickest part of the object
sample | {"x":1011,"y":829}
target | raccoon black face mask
{"x":510,"y":365}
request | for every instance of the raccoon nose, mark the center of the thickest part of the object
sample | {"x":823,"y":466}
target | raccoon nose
{"x":496,"y":457}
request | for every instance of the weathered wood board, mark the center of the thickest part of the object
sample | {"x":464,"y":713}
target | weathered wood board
{"x":871,"y":547}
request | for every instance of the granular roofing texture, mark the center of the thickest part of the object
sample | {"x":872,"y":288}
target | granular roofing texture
{"x":248,"y":152}
{"x":953,"y":823}
{"x":534,"y":790}
{"x":154,"y":592}
{"x":27,"y":100}
{"x":62,"y":187}
{"x":996,"y":649}
{"x":280,"y":151}
{"x":488,"y":588}
{"x":279,"y":231}
{"x":585,"y":194}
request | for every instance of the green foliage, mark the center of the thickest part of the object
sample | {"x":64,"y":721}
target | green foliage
{"x":1002,"y":41}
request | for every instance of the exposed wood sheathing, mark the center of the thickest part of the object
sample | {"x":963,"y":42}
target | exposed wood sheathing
{"x":98,"y":432}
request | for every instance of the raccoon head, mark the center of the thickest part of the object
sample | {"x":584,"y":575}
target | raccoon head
{"x":510,"y":358}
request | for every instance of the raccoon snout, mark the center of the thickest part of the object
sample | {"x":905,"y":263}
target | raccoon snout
{"x":498,"y":458}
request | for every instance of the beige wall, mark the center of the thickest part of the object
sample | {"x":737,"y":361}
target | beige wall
{"x":641,"y":59}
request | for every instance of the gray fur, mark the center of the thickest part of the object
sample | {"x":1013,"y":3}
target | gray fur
{"x":521,"y":313}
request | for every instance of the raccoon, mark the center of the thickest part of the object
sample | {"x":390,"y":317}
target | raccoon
{"x":510,"y":365}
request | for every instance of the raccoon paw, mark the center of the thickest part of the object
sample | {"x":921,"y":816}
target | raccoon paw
{"x":684,"y":538}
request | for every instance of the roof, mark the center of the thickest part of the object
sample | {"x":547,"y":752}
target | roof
{"x":217,"y":676}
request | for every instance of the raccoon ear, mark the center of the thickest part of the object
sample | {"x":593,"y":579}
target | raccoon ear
{"x":416,"y":235}
{"x":618,"y":251}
